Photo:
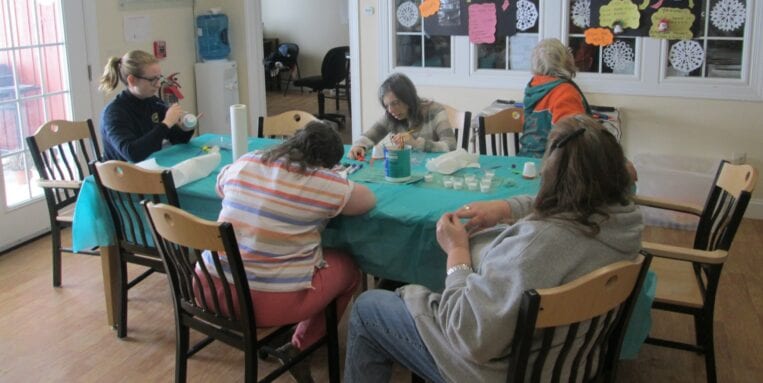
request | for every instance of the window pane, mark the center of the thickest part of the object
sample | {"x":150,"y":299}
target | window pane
{"x":51,"y":22}
{"x":521,"y":46}
{"x":17,"y":179}
{"x":724,"y":59}
{"x":408,"y":50}
{"x":32,"y":115}
{"x":586,"y":56}
{"x":28,"y":73}
{"x":727,"y":18}
{"x":57,"y":107}
{"x":618,"y":57}
{"x":22,"y":25}
{"x":53,"y":60}
{"x":437,"y":50}
{"x":684,"y":58}
{"x":492,"y":56}
{"x":407,"y":16}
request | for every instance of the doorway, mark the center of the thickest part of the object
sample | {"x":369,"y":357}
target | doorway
{"x":42,"y":46}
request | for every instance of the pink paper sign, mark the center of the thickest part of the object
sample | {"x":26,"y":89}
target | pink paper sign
{"x":482,"y":20}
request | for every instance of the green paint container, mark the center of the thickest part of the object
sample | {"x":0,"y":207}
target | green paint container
{"x":397,"y":163}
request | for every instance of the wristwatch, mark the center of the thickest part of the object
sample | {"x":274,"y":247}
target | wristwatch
{"x":460,"y":266}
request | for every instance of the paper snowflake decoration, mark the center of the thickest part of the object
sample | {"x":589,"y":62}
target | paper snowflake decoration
{"x":527,"y":15}
{"x":581,"y":13}
{"x":686,"y":56}
{"x":618,"y":55}
{"x":728,"y":15}
{"x":407,"y":14}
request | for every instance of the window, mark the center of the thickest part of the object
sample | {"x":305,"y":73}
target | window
{"x":413,"y":46}
{"x":718,"y":51}
{"x":726,"y":68}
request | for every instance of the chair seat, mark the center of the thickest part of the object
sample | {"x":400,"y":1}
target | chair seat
{"x":676,"y":283}
{"x":314,"y":82}
{"x":66,"y":214}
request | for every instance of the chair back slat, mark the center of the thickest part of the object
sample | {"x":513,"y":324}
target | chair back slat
{"x":725,"y":206}
{"x":562,"y":358}
{"x":602,"y":300}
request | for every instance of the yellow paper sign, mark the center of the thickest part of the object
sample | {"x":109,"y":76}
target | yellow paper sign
{"x":623,"y":12}
{"x":598,"y":36}
{"x":679,"y":22}
{"x":429,"y":7}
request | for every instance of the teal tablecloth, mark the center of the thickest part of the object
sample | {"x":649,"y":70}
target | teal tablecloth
{"x":395,"y":240}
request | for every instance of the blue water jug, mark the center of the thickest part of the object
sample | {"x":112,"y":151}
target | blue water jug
{"x":212,"y":31}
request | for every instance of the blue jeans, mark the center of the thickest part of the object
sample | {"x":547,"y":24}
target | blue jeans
{"x":382,"y":331}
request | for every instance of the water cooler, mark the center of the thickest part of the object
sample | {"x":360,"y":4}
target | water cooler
{"x":216,"y":91}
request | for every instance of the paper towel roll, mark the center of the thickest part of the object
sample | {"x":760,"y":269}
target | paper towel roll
{"x":239,"y":130}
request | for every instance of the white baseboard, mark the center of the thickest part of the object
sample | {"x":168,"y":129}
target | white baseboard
{"x":754,"y":209}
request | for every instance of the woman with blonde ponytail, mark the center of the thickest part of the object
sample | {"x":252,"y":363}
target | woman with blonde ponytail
{"x":136,"y":122}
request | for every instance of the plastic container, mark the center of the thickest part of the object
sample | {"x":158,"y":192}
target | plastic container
{"x":212,"y":31}
{"x":674,"y":178}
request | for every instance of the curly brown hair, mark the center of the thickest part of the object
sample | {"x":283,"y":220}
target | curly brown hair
{"x":318,"y":144}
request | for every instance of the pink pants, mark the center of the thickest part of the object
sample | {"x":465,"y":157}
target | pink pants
{"x":339,"y":280}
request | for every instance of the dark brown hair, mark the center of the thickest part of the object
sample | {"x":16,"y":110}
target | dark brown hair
{"x":316,"y":145}
{"x":583,"y":172}
{"x":402,"y":87}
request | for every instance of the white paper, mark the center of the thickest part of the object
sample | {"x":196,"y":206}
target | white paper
{"x":239,"y":130}
{"x":137,"y":28}
{"x":451,"y":162}
{"x":187,"y":171}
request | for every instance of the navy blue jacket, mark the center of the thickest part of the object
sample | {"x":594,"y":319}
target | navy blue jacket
{"x":132,"y":128}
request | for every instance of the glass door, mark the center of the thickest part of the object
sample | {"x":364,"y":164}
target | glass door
{"x":40,"y":42}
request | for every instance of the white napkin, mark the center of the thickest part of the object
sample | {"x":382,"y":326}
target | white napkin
{"x":451,"y":162}
{"x":189,"y":170}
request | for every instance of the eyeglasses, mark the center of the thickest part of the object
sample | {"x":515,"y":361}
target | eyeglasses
{"x":153,"y":80}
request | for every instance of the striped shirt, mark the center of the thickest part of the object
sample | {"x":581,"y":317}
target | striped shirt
{"x":278,"y":213}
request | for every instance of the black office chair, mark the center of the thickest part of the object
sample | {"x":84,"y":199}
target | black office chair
{"x":334,"y":70}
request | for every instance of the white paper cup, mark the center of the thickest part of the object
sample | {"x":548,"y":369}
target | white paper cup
{"x":429,"y":177}
{"x":529,"y":170}
{"x":447,"y":182}
{"x":458,"y":183}
{"x":489,"y":173}
{"x":485,"y":187}
{"x":472,"y":185}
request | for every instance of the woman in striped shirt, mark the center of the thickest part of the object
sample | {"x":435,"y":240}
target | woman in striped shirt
{"x":278,"y":201}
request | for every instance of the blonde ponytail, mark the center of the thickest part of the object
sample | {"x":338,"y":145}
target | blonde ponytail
{"x":117,"y":69}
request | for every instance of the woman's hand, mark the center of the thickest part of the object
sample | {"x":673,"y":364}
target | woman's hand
{"x":173,"y":115}
{"x":357,"y":152}
{"x":484,"y":214}
{"x":453,"y":239}
{"x":401,"y":138}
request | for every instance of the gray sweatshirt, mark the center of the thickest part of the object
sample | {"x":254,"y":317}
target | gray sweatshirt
{"x":468,"y":328}
{"x":434,"y":134}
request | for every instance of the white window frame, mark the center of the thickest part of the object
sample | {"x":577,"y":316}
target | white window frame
{"x":648,"y":79}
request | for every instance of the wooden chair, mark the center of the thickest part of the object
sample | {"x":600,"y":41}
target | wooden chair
{"x":581,"y":323}
{"x":61,"y":151}
{"x":576,"y":328}
{"x":688,"y":277}
{"x":284,"y":124}
{"x":461,"y":121}
{"x":181,"y":238}
{"x":497,"y":128}
{"x":123,"y":186}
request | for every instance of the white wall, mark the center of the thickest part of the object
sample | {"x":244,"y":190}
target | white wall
{"x":316,"y":26}
{"x":173,"y":25}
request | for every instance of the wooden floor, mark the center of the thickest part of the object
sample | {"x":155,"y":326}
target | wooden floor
{"x":60,"y":334}
{"x":277,"y":102}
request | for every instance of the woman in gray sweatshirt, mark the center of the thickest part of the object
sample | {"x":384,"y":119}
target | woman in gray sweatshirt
{"x":582,"y":219}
